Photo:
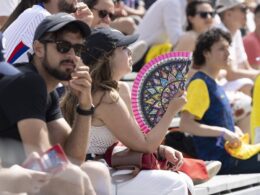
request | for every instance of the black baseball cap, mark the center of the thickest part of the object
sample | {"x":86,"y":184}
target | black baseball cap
{"x":103,"y":40}
{"x":5,"y":68}
{"x":55,"y":22}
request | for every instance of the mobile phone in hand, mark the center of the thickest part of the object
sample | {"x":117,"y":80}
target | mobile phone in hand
{"x":51,"y":161}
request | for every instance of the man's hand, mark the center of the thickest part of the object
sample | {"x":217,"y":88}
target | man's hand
{"x":80,"y":84}
{"x":21,"y":180}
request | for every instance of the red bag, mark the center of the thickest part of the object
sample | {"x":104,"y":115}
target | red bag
{"x":119,"y":156}
{"x":195,"y":169}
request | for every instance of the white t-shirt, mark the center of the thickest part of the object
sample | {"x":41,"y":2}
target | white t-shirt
{"x":7,"y":6}
{"x":164,"y":21}
{"x":237,"y":50}
{"x":19,"y":35}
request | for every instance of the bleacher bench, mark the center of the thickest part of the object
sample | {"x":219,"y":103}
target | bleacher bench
{"x":241,"y":184}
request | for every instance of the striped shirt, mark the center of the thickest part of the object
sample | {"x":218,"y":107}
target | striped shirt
{"x":19,"y":35}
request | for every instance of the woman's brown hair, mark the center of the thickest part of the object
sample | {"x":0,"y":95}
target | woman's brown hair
{"x":101,"y":74}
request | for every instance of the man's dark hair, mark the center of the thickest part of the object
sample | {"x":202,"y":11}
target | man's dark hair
{"x":191,"y":10}
{"x":205,"y":42}
{"x":72,"y":27}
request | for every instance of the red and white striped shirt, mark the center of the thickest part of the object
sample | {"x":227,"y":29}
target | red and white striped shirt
{"x":19,"y":35}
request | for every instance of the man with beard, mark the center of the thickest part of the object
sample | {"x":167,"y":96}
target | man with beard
{"x":30,"y":117}
{"x":19,"y":34}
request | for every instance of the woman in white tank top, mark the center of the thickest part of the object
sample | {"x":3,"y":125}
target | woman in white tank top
{"x":109,"y":60}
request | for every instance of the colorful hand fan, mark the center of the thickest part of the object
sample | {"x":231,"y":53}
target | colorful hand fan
{"x":245,"y":150}
{"x":156,"y":84}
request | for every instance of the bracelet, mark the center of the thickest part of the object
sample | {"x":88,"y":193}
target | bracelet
{"x":85,"y":112}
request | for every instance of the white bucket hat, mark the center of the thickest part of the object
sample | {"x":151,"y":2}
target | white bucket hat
{"x":222,"y":5}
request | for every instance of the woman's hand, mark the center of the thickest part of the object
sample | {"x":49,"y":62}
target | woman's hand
{"x":174,"y":157}
{"x":178,"y":101}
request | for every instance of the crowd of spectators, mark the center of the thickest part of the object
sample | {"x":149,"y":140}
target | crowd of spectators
{"x":61,"y":70}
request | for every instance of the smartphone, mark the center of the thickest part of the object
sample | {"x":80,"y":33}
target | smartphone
{"x":51,"y":161}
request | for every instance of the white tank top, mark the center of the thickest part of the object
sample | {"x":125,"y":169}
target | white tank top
{"x":100,"y":139}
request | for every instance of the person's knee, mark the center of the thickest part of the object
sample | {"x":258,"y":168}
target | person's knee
{"x":73,"y":181}
{"x":125,"y":24}
{"x":99,"y":176}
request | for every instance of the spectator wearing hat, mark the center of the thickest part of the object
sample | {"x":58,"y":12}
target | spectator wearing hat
{"x":237,"y":78}
{"x":233,"y":15}
{"x":109,"y":59}
{"x":20,"y":27}
{"x":30,"y":113}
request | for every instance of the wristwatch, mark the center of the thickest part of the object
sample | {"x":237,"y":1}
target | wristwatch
{"x":85,"y":112}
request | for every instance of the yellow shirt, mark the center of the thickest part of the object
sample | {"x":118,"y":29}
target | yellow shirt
{"x":197,"y":98}
{"x":255,"y":114}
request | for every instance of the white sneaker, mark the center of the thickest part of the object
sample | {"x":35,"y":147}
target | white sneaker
{"x":213,"y":168}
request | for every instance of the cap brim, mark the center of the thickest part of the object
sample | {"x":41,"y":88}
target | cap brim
{"x":127,"y":40}
{"x":8,"y":69}
{"x":83,"y":26}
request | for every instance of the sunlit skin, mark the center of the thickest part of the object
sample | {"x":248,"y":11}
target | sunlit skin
{"x":218,"y":57}
{"x":107,"y":5}
{"x":121,"y":62}
{"x":236,"y":18}
{"x":66,"y":62}
{"x":240,"y":16}
{"x":202,"y":24}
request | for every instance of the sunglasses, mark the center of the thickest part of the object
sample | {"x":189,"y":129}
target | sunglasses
{"x":205,"y":15}
{"x":65,"y":46}
{"x":104,"y":13}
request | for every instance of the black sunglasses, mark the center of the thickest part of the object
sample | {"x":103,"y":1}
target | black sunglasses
{"x":65,"y":46}
{"x":103,"y":13}
{"x":205,"y":15}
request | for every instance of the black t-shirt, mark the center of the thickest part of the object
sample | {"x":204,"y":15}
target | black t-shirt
{"x":23,"y":96}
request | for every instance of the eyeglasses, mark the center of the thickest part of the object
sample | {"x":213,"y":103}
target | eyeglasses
{"x":103,"y":13}
{"x":205,"y":15}
{"x":65,"y":46}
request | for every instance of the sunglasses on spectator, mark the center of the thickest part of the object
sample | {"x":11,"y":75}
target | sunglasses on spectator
{"x":65,"y":46}
{"x":104,"y":13}
{"x":205,"y":15}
